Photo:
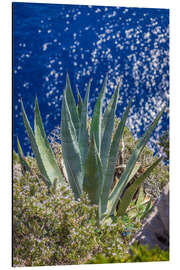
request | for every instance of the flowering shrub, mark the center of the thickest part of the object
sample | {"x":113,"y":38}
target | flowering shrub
{"x":49,"y":228}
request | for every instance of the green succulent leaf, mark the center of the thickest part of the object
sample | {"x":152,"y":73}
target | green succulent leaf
{"x":108,"y":123}
{"x":80,"y":104}
{"x":114,"y":149}
{"x":72,"y":105}
{"x":70,"y":150}
{"x":114,"y":197}
{"x":141,"y":197}
{"x":93,"y":179}
{"x":147,"y":210}
{"x":108,"y":110}
{"x":83,"y":135}
{"x":133,"y":173}
{"x":34,"y":146}
{"x":106,"y":115}
{"x":47,"y":156}
{"x":129,"y":193}
{"x":97,"y":117}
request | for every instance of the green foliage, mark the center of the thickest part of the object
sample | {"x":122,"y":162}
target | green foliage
{"x":144,"y":254}
{"x":81,"y":149}
{"x":53,"y":225}
{"x":130,"y":191}
{"x":140,"y":208}
{"x":43,"y":153}
{"x":50,"y":227}
{"x":139,"y":254}
{"x":152,"y":185}
{"x":90,"y":161}
{"x":159,"y":177}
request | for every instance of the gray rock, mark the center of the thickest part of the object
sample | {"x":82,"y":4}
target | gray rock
{"x":155,"y":229}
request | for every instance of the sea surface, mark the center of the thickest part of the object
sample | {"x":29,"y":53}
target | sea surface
{"x":50,"y":40}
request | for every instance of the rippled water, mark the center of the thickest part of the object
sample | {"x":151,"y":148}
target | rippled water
{"x":89,"y":41}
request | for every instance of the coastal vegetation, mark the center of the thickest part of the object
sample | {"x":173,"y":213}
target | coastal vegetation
{"x":85,"y":195}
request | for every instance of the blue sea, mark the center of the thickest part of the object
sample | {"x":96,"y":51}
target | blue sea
{"x":50,"y":40}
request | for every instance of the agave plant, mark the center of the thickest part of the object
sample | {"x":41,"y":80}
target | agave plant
{"x":90,"y":154}
{"x":43,"y":153}
{"x":90,"y":157}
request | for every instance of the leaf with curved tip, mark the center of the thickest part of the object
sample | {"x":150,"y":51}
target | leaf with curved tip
{"x":129,"y":193}
{"x":47,"y":156}
{"x":114,"y":196}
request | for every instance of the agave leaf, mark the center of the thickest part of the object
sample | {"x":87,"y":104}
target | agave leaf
{"x":80,"y":104}
{"x":47,"y":156}
{"x":106,"y":115}
{"x":148,"y":209}
{"x":108,"y":110}
{"x":84,"y":117}
{"x":129,"y":193}
{"x":83,"y":135}
{"x":97,"y":117}
{"x":68,"y":115}
{"x":34,"y":146}
{"x":24,"y":164}
{"x":141,"y":197}
{"x":70,"y":150}
{"x":133,"y":173}
{"x":72,"y":105}
{"x":93,"y":179}
{"x":109,"y":174}
{"x":131,"y":163}
{"x":108,"y":128}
